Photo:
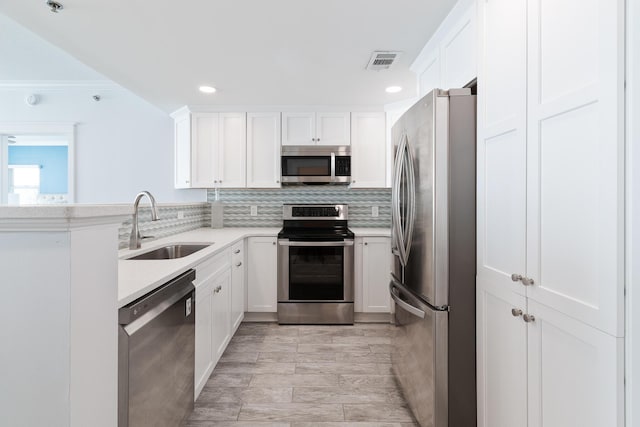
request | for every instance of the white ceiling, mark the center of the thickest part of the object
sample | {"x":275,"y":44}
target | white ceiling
{"x":256,"y":52}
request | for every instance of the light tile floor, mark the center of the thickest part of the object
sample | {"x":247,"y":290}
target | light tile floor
{"x":303,"y":376}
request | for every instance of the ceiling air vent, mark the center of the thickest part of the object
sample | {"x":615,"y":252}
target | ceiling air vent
{"x":382,"y":60}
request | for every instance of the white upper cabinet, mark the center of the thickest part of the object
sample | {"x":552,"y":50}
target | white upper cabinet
{"x":575,"y":160}
{"x":333,"y":128}
{"x":458,"y":52}
{"x":263,"y":150}
{"x":182,"y":152}
{"x":368,"y":150}
{"x":315,"y":128}
{"x":449,"y":60}
{"x":204,"y":149}
{"x":232,"y":151}
{"x":298,"y":128}
{"x":210,"y":150}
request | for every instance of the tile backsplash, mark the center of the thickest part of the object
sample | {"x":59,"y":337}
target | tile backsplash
{"x":194,"y":216}
{"x":237,"y":209}
{"x":237,"y":204}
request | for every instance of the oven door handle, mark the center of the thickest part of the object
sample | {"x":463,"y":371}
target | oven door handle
{"x":289,"y":243}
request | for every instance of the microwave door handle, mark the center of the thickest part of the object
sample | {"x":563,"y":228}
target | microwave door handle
{"x":333,"y":167}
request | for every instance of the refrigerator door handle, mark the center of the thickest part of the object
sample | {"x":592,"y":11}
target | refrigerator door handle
{"x":411,"y":199}
{"x":393,"y":290}
{"x":397,"y":231}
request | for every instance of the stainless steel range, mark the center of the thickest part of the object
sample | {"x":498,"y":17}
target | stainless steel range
{"x":315,"y":266}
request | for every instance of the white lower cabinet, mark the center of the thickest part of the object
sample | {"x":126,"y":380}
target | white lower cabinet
{"x":372,"y":270}
{"x":262,"y":274}
{"x":237,"y":285}
{"x":538,"y":367}
{"x":502,"y":359}
{"x":213,"y":307}
{"x":221,"y":314}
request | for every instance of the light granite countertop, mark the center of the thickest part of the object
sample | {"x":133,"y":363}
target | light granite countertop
{"x":70,"y":211}
{"x":139,"y":277}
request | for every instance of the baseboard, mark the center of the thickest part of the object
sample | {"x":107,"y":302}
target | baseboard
{"x":358,"y":317}
{"x":373,"y":318}
{"x":260,"y":317}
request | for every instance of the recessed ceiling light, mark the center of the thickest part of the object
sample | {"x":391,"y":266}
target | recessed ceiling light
{"x":393,"y":89}
{"x":207,"y":89}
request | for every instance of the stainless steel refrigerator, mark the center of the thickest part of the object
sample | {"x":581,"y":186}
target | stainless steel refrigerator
{"x":434,"y":263}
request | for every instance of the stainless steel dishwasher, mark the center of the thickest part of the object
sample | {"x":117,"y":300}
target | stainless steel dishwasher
{"x":156,"y":350}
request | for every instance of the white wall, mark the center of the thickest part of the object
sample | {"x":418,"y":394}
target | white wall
{"x":633,"y":216}
{"x":123,"y":143}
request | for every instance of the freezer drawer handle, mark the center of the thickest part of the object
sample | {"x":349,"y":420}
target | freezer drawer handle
{"x":405,"y":306}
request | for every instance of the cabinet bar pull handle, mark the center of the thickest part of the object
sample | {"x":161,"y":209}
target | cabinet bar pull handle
{"x":237,"y":251}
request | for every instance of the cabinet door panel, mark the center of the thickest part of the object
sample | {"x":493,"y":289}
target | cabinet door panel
{"x":501,"y":209}
{"x":376,"y":269}
{"x":221,"y":315}
{"x":232,"y":158}
{"x":182,"y":138}
{"x":502,"y":358}
{"x":430,"y":77}
{"x":459,"y":53}
{"x":368,"y":150}
{"x":263,"y":150}
{"x":204,"y":149}
{"x":262,"y":274}
{"x":204,"y":348}
{"x":575,"y":372}
{"x":298,"y":128}
{"x":237,"y":285}
{"x":575,"y":160}
{"x":333,"y":128}
{"x":502,"y":72}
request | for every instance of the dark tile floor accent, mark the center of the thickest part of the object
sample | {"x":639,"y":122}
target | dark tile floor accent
{"x":304,"y":376}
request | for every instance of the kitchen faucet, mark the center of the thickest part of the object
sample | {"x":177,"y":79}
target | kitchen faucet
{"x":134,"y":239}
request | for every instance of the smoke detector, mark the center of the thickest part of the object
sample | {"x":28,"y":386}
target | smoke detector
{"x":382,"y":60}
{"x":54,"y":6}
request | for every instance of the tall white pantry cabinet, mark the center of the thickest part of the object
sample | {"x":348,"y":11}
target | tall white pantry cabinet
{"x":550,"y":200}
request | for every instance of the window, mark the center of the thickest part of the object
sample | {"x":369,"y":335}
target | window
{"x":24,"y":184}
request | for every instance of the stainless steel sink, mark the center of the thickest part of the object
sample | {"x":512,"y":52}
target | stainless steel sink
{"x":171,"y":251}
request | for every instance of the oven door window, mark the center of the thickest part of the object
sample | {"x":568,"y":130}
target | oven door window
{"x":306,"y":166}
{"x":316,"y":273}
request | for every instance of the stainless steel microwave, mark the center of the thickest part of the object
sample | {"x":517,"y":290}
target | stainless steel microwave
{"x":316,"y":164}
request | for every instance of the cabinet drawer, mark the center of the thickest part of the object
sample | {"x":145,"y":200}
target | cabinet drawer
{"x":211,"y":266}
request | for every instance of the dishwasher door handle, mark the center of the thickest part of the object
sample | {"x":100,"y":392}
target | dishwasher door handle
{"x":148,"y":307}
